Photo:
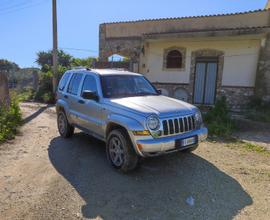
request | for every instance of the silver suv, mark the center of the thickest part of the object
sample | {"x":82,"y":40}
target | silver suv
{"x":126,"y":111}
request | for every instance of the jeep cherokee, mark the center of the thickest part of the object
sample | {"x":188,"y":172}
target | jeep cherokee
{"x":125,"y":110}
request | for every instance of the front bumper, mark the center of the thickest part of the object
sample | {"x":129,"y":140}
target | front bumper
{"x":158,"y":146}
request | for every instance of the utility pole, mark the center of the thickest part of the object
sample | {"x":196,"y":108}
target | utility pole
{"x":55,"y":45}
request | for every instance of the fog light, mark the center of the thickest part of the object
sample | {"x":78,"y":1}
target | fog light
{"x":140,"y":147}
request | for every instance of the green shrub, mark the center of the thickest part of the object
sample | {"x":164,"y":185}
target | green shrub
{"x":27,"y":94}
{"x":10,"y":119}
{"x":218,"y":119}
{"x":44,"y":93}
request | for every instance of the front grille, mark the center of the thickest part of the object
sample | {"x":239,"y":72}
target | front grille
{"x":178,"y":125}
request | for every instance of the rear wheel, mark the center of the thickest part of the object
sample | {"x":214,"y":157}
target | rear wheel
{"x":65,"y":129}
{"x":120,"y":152}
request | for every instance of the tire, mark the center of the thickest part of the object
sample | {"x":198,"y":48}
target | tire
{"x":189,"y":150}
{"x":65,"y":129}
{"x":120,"y":152}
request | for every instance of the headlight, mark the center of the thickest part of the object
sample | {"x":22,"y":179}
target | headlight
{"x":153,"y":123}
{"x":198,"y":119}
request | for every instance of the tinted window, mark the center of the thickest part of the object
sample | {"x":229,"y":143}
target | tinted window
{"x":117,"y":86}
{"x":63,"y":81}
{"x":75,"y":83}
{"x":89,"y":84}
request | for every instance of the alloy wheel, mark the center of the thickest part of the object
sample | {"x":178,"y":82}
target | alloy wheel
{"x":61,"y":123}
{"x":116,"y":151}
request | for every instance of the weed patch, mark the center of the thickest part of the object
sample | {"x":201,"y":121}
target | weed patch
{"x":218,"y":120}
{"x":248,"y":147}
{"x":10,"y":119}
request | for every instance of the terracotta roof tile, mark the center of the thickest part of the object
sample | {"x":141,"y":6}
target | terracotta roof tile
{"x":187,"y":17}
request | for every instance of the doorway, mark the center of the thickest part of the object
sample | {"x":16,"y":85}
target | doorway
{"x":205,"y":81}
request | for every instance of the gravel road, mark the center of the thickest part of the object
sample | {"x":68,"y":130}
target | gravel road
{"x":43,"y":176}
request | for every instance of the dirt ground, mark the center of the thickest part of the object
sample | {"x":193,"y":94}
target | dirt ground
{"x":43,"y":176}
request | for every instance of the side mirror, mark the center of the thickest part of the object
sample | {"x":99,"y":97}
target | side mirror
{"x":159,"y":91}
{"x":90,"y":95}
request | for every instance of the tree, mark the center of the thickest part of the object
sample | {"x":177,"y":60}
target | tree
{"x":44,"y":60}
{"x":8,"y":66}
{"x":84,"y":62}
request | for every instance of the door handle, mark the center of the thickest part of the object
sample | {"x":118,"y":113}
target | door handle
{"x":65,"y":96}
{"x":81,"y":101}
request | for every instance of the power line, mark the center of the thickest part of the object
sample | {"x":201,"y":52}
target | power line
{"x":12,"y":6}
{"x":22,"y":8}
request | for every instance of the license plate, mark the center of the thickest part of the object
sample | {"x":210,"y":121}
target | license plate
{"x":188,"y":141}
{"x":185,"y":142}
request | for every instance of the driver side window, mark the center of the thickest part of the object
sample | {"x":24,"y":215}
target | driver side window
{"x":89,"y":83}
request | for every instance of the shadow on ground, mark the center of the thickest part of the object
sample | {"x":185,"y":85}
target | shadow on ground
{"x":158,"y":190}
{"x":35,"y":114}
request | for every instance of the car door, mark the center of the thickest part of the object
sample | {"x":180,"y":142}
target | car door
{"x":91,"y":109}
{"x":72,"y":96}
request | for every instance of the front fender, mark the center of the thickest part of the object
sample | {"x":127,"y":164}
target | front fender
{"x":130,"y":124}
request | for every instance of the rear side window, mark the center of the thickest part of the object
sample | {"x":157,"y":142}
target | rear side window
{"x":89,"y":83}
{"x":74,"y":84}
{"x":63,"y":81}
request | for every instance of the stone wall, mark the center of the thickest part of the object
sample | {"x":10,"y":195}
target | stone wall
{"x":127,"y":47}
{"x":238,"y":98}
{"x":263,"y":72}
{"x":4,"y":91}
{"x":171,"y":88}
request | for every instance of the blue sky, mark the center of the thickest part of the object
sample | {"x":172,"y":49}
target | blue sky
{"x":26,"y":24}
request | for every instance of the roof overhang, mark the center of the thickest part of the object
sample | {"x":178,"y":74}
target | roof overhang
{"x":247,"y":31}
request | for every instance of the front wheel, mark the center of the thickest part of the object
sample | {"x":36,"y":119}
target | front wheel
{"x":120,"y":152}
{"x":65,"y":129}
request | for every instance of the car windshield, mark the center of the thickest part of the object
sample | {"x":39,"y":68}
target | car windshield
{"x":119,"y":86}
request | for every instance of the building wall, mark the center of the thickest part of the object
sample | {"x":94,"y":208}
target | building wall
{"x":132,"y":29}
{"x":263,"y":71}
{"x":267,"y":4}
{"x":239,"y":40}
{"x":240,"y":60}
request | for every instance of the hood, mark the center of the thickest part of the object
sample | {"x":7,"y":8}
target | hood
{"x":160,"y":105}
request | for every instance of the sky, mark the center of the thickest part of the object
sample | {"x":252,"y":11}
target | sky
{"x":26,"y":25}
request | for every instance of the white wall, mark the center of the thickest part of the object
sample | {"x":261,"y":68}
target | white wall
{"x":240,"y":61}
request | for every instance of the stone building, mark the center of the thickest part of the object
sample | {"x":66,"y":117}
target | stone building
{"x":199,"y":58}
